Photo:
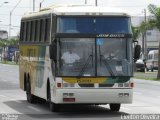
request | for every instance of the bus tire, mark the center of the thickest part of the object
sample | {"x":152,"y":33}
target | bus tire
{"x":152,"y":69}
{"x":52,"y":106}
{"x":147,"y":69}
{"x":115,"y":107}
{"x":30,"y":98}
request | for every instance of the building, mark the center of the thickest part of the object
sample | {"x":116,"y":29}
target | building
{"x":152,"y":36}
{"x":3,"y":34}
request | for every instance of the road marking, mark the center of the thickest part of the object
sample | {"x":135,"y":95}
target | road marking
{"x":15,"y":100}
{"x":138,"y":93}
{"x":3,"y":96}
{"x":18,"y":101}
{"x":33,"y":108}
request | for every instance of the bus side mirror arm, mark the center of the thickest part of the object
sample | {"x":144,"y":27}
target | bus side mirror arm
{"x":53,"y":51}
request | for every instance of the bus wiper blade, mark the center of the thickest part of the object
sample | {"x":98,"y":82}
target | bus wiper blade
{"x":85,"y":65}
{"x":107,"y":65}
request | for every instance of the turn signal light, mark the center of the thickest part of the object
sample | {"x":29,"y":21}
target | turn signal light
{"x":132,"y":84}
{"x":59,"y":85}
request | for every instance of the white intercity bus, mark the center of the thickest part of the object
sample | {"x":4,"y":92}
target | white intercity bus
{"x":74,"y":54}
{"x":152,"y":61}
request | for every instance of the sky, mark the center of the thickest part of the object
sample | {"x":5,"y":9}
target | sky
{"x":133,"y":7}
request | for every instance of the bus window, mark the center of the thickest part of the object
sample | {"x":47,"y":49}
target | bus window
{"x":47,"y":29}
{"x":37,"y":30}
{"x":75,"y":61}
{"x":25,"y":31}
{"x":156,"y":56}
{"x":28,"y":30}
{"x":22,"y":31}
{"x":33,"y":31}
{"x":42,"y":30}
{"x":94,"y":25}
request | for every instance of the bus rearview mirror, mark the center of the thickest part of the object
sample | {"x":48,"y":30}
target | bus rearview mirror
{"x":137,"y":51}
{"x":53,"y":51}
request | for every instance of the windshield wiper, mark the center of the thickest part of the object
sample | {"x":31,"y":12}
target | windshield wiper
{"x":85,"y":65}
{"x":102,"y":58}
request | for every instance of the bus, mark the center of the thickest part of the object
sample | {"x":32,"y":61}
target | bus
{"x":100,"y":68}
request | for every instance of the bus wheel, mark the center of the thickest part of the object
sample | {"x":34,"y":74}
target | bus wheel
{"x":30,"y":97}
{"x":115,"y":107}
{"x":152,"y":69}
{"x":147,"y":69}
{"x":52,"y":106}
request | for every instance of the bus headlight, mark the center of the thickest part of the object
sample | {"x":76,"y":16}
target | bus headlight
{"x":126,"y":84}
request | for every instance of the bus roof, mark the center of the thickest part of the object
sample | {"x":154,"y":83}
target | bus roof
{"x":153,"y":51}
{"x":78,"y":10}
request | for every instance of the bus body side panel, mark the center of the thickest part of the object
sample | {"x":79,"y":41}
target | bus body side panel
{"x":35,"y":62}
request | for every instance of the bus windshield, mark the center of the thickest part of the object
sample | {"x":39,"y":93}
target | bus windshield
{"x":97,"y":25}
{"x":94,"y":57}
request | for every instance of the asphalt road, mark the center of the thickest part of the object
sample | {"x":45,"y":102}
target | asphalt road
{"x":13,"y":102}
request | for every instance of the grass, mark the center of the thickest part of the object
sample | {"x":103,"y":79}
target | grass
{"x":8,"y":62}
{"x":146,"y":76}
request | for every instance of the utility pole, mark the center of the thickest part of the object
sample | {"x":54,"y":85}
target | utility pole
{"x":144,"y":37}
{"x":33,"y":5}
{"x":96,"y":3}
{"x":10,"y":17}
{"x":40,"y":4}
{"x":85,"y":2}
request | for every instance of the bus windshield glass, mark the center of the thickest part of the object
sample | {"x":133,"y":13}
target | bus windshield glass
{"x":94,"y":57}
{"x":93,"y":25}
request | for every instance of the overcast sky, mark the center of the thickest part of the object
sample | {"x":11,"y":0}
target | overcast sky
{"x":133,"y":7}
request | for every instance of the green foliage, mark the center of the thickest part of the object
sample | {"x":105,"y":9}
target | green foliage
{"x":135,"y":32}
{"x":5,"y":42}
{"x":155,"y":11}
{"x":152,"y":23}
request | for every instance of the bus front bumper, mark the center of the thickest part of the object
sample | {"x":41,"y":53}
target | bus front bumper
{"x":92,"y":96}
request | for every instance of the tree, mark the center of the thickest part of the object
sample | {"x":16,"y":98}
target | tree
{"x":5,"y":43}
{"x":135,"y":32}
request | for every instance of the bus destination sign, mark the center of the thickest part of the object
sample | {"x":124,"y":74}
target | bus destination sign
{"x":114,"y":35}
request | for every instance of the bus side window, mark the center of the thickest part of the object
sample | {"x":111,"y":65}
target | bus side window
{"x":47,"y":29}
{"x":43,"y":24}
{"x":25,"y":31}
{"x":28,"y":31}
{"x":37,"y":30}
{"x":33,"y":31}
{"x":22,"y":31}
